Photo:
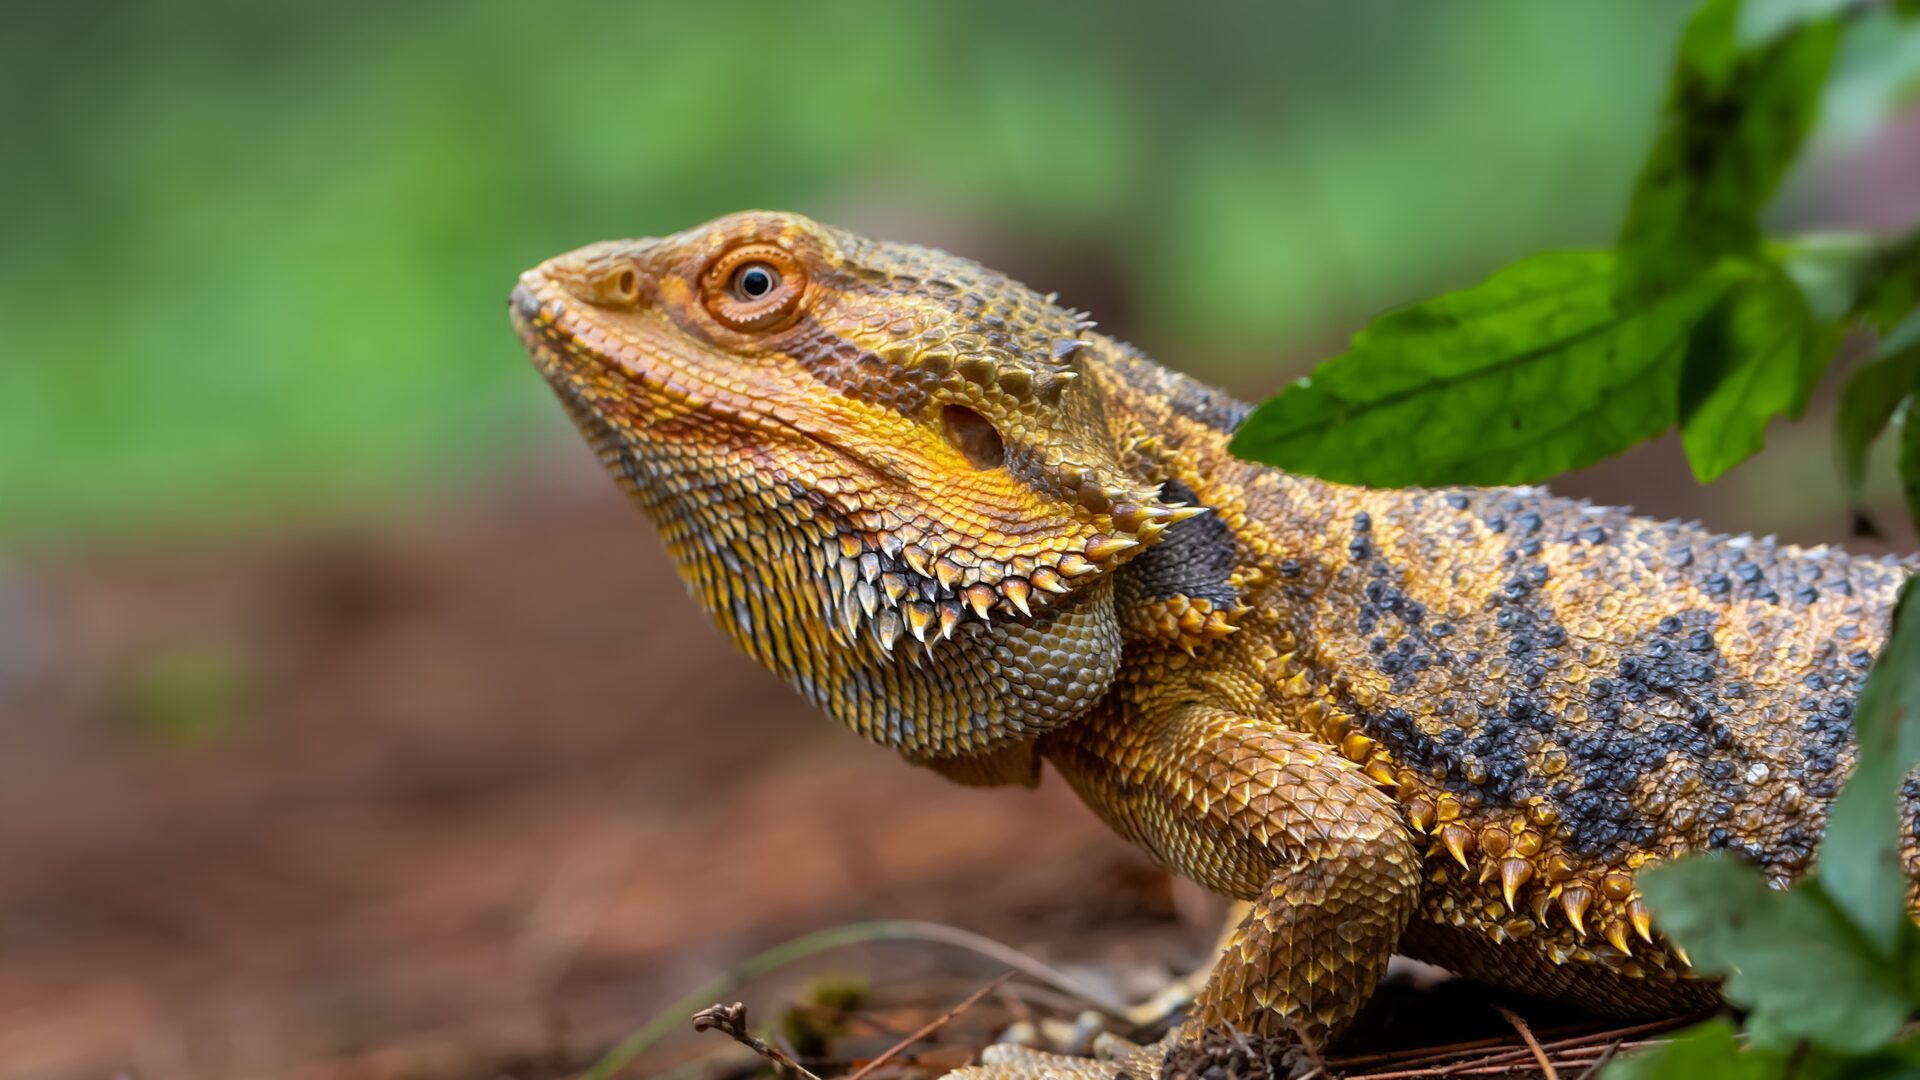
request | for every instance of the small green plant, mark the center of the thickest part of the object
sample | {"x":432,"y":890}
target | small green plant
{"x":1692,"y":320}
{"x":1695,"y":320}
{"x":186,"y":696}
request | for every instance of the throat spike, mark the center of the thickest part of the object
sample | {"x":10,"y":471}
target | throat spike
{"x":1017,"y":591}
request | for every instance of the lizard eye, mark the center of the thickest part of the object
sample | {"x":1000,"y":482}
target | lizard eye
{"x":756,"y":287}
{"x":753,"y":281}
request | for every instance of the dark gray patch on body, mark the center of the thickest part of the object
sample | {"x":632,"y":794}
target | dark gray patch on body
{"x":1194,"y":559}
{"x":1483,"y":752}
{"x":1663,"y":700}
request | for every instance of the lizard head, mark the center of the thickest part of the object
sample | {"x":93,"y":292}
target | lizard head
{"x":876,"y":464}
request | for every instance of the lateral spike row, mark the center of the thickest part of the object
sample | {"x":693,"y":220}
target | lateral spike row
{"x":1541,"y":902}
{"x":1641,"y":917}
{"x":1574,"y":900}
{"x":1616,"y":935}
{"x":1380,"y":771}
{"x":1420,"y":814}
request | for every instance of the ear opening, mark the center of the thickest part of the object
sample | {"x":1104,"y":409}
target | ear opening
{"x":974,"y":436}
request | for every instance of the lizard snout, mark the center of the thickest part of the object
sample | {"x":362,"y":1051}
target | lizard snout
{"x":524,"y":302}
{"x":606,"y":275}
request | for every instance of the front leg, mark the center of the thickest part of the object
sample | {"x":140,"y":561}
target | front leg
{"x":1270,"y":816}
{"x":1266,"y":815}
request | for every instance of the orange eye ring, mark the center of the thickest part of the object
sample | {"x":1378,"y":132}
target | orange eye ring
{"x":754,"y":287}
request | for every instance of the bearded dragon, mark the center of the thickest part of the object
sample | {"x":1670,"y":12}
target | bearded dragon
{"x":1453,"y":723}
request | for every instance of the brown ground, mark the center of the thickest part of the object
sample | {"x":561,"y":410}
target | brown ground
{"x":474,"y":795}
{"x":491,"y":788}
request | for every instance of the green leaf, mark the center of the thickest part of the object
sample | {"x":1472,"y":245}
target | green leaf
{"x":1871,"y":397}
{"x":1890,"y":287}
{"x":1762,"y":21}
{"x":1708,"y":1051}
{"x":1859,"y":862}
{"x":1755,"y":356}
{"x":1734,"y":120}
{"x":1829,"y":268}
{"x":1712,"y":1051}
{"x":1530,"y":373}
{"x":1909,"y":465}
{"x":1791,"y":958}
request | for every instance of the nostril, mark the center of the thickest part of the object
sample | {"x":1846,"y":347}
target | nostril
{"x":611,"y":279}
{"x":974,"y":436}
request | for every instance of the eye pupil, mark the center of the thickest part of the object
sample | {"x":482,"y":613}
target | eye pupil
{"x":755,"y":288}
{"x":756,"y":281}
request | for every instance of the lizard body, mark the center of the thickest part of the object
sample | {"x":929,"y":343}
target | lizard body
{"x":1453,"y":723}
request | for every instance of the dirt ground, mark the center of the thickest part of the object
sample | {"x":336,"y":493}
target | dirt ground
{"x":475,"y":793}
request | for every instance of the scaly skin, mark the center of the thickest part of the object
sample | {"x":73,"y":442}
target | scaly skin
{"x":1453,"y":723}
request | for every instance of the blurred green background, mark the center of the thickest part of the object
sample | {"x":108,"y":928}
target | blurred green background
{"x":256,"y":253}
{"x":344,"y":670}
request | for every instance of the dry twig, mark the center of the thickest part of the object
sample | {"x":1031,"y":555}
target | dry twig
{"x":1533,"y":1044}
{"x":1600,"y":1062}
{"x":1484,"y":1057}
{"x":779,"y":956}
{"x":732,"y":1021}
{"x":930,"y":1027}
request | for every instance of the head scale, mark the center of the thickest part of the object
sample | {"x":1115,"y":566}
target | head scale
{"x":885,"y":471}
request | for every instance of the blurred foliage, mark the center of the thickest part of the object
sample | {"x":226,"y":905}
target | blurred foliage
{"x":184,"y":696}
{"x":257,"y":253}
{"x":1691,"y":321}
